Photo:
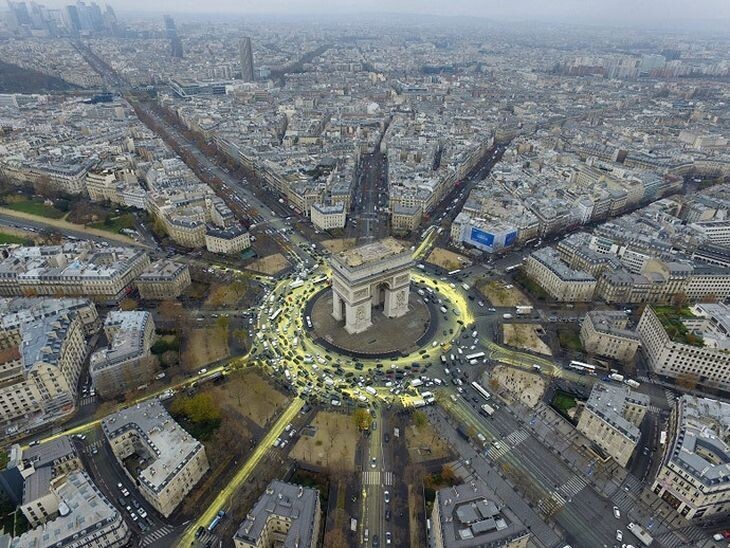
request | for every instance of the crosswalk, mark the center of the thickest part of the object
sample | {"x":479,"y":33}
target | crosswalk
{"x":156,"y":535}
{"x":685,"y":536}
{"x":501,"y":448}
{"x":670,"y":396}
{"x":87,"y":400}
{"x":572,"y":487}
{"x":376,"y":477}
{"x":653,"y":409}
{"x":624,"y":499}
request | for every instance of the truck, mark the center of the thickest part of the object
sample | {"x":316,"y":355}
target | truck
{"x":487,"y":410}
{"x":616,"y":377}
{"x":523,"y":310}
{"x":296,"y":283}
{"x":370,"y":390}
{"x":416,"y":382}
{"x":638,"y":531}
{"x":632,"y":383}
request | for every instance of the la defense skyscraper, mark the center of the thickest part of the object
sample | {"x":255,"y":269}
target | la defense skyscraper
{"x":246,"y":60}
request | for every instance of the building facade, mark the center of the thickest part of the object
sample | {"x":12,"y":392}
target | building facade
{"x":328,"y":216}
{"x":561,"y":282}
{"x":605,"y":333}
{"x":611,"y":418}
{"x":163,"y":279}
{"x":694,"y":475}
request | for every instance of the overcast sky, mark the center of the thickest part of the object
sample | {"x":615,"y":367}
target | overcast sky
{"x":589,"y":11}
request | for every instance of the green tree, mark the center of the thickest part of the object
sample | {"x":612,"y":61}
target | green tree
{"x":419,"y":419}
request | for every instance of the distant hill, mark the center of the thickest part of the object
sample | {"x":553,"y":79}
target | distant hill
{"x":15,"y":79}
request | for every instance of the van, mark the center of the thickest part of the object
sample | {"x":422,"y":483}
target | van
{"x":366,"y":535}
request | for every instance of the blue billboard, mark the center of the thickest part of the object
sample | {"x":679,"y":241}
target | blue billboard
{"x":483,"y":238}
{"x":510,"y":238}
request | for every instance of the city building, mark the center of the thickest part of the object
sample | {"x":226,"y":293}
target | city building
{"x":688,"y":345}
{"x":127,"y":362}
{"x":611,"y":418}
{"x":470,"y":516}
{"x":694,"y":475}
{"x":561,"y":282}
{"x":247,"y":67}
{"x":328,"y":217}
{"x":75,"y":514}
{"x":605,"y":333}
{"x":40,"y":361}
{"x":73,"y":269}
{"x":404,"y":219}
{"x":230,"y":240}
{"x":163,"y":279}
{"x":284,"y":515}
{"x":370,"y":276}
{"x":174,"y":461}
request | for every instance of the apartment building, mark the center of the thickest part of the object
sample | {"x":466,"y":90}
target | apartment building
{"x":73,"y":269}
{"x":469,"y":516}
{"x":404,"y":219}
{"x":284,"y":515}
{"x":40,"y":362}
{"x":229,"y":240}
{"x":689,"y":344}
{"x":15,"y":311}
{"x":174,"y":460}
{"x":561,"y":282}
{"x":694,"y":475}
{"x":127,"y":362}
{"x":77,"y":516}
{"x":611,"y":418}
{"x":163,"y":279}
{"x":328,"y":216}
{"x":605,"y":333}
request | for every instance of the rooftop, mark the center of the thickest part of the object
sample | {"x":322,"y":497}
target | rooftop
{"x":370,"y":253}
{"x":169,"y":445}
{"x":292,"y":503}
{"x":609,"y":402}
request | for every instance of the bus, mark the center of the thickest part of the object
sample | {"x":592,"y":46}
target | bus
{"x":216,"y":520}
{"x":454,"y":271}
{"x":513,"y":267}
{"x":480,"y":390}
{"x":663,"y":437}
{"x":475,"y":356}
{"x":487,"y":410}
{"x":320,"y":280}
{"x":275,"y":315}
{"x":583,"y":367}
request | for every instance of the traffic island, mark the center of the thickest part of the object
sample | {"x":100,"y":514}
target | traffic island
{"x":386,"y":336}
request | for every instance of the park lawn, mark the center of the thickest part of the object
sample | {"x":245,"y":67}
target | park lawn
{"x":570,"y":340}
{"x":115,"y":224}
{"x":33,"y":207}
{"x":523,"y":335}
{"x":225,"y":295}
{"x":448,"y":260}
{"x":564,"y":402}
{"x":333,"y":444}
{"x":204,"y":346}
{"x":246,"y":394}
{"x":425,"y":444}
{"x":12,"y":239}
{"x":498,"y":294}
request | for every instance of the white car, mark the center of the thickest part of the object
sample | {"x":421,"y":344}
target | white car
{"x":619,"y":535}
{"x":616,"y":512}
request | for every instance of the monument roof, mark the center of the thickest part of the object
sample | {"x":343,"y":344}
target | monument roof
{"x":375,"y":251}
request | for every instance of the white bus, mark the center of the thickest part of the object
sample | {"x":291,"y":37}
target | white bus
{"x":475,"y":356}
{"x":513,"y":267}
{"x":584,"y":367}
{"x":319,"y":280}
{"x":480,"y":390}
{"x":275,"y":315}
{"x":454,"y":271}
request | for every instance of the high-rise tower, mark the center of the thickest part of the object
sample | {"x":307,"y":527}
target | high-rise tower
{"x":246,"y":60}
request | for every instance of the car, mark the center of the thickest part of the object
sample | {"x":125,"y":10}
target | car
{"x":726,"y":534}
{"x":619,"y":535}
{"x":142,"y":513}
{"x":386,"y":497}
{"x":135,"y":503}
{"x":386,"y":438}
{"x":120,"y":486}
{"x":388,"y":537}
{"x":125,"y":492}
{"x":376,"y":541}
{"x":373,"y":462}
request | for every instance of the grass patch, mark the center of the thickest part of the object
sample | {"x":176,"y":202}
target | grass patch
{"x":34,"y":207}
{"x":563,"y":402}
{"x":570,"y":340}
{"x":165,"y":344}
{"x":115,"y":224}
{"x":199,"y":415}
{"x":11,"y":239}
{"x":671,"y":320}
